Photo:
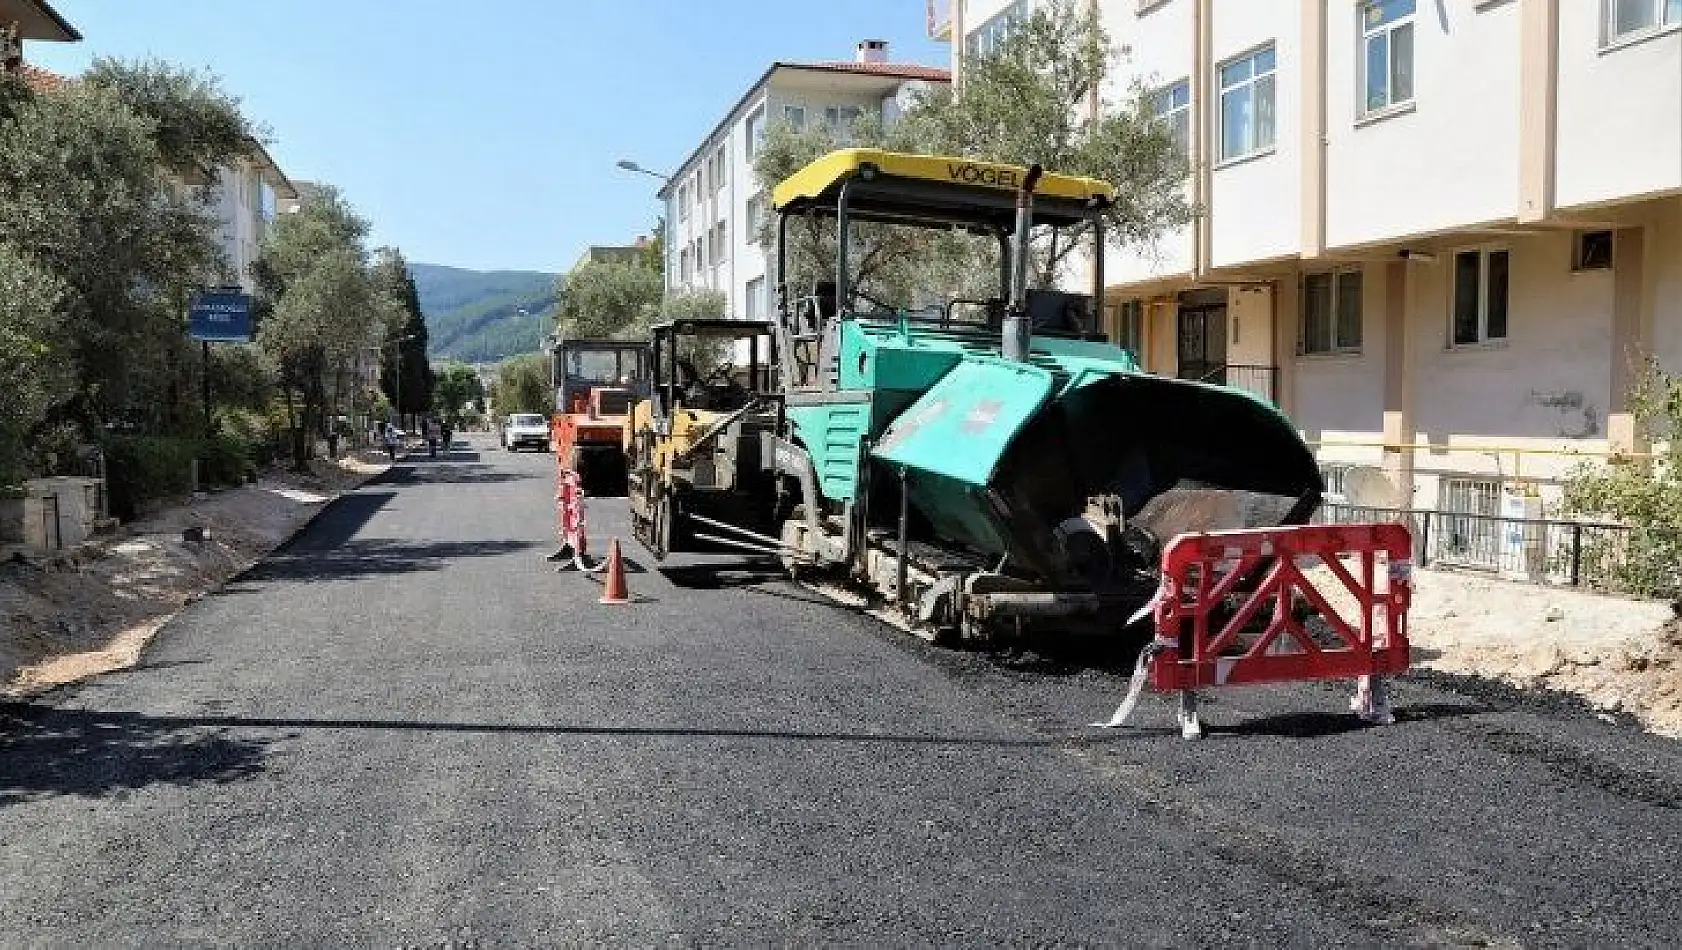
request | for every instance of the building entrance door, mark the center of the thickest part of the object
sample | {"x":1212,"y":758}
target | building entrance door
{"x":1202,"y":344}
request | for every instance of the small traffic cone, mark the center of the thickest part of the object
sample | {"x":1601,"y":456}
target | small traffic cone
{"x":615,"y":591}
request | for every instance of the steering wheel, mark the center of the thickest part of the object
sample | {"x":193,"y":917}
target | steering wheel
{"x":722,"y":374}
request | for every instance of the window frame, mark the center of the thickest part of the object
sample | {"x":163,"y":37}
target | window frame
{"x":1579,"y":242}
{"x":1335,"y":347}
{"x":1253,"y":148}
{"x":839,"y":125}
{"x":753,"y":131}
{"x":1175,"y":114}
{"x":789,"y":111}
{"x":1364,"y":36}
{"x":1667,"y":18}
{"x":986,"y":38}
{"x":1484,"y":340}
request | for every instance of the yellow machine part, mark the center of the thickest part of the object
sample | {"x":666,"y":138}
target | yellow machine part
{"x":687,"y":426}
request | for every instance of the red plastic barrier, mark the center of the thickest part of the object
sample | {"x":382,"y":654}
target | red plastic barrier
{"x":569,"y":510}
{"x":1227,"y":614}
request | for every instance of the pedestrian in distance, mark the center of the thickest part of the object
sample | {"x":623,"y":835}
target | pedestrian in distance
{"x":433,"y":432}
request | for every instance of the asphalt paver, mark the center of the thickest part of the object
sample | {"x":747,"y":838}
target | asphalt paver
{"x":407,"y":728}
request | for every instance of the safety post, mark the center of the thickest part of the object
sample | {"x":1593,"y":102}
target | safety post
{"x":569,"y":520}
{"x":1234,"y":608}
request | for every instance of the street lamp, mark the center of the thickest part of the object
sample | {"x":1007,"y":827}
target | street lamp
{"x":397,"y":385}
{"x":631,"y":166}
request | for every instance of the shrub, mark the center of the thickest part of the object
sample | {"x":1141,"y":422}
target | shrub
{"x":1647,"y":496}
{"x":143,"y":468}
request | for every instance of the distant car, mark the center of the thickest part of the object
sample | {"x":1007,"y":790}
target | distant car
{"x":523,"y":429}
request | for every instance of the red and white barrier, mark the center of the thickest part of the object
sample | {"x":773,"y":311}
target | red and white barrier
{"x":1228,"y":613}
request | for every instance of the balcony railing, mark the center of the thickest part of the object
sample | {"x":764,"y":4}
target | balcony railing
{"x":1252,"y":377}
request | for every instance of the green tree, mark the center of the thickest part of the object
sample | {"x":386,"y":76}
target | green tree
{"x":197,"y":126}
{"x":32,"y":353}
{"x":408,"y":334}
{"x":1647,"y":496}
{"x":322,"y":309}
{"x":84,"y":197}
{"x":1031,"y":101}
{"x":695,"y":305}
{"x":457,"y":390}
{"x":523,"y":385}
{"x":1028,"y":101}
{"x":609,"y":299}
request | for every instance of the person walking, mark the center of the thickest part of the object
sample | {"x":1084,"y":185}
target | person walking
{"x":433,"y":432}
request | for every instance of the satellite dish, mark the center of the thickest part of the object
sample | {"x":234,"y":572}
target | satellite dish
{"x":1367,"y":486}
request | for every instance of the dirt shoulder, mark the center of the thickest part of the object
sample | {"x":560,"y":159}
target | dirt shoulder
{"x":93,"y":610}
{"x":1620,"y":655}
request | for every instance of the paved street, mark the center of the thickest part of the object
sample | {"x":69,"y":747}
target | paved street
{"x":406,"y":728}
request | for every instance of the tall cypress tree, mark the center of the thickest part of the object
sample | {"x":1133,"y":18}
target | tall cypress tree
{"x":416,"y":390}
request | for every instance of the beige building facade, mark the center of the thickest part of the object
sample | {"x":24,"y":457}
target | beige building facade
{"x":1437,"y":234}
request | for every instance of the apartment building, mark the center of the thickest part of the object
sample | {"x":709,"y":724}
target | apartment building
{"x":714,"y":204}
{"x":33,"y":20}
{"x":1435,"y":232}
{"x":247,"y":196}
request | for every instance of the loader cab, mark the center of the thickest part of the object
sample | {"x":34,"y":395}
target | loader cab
{"x":1015,"y":217}
{"x":710,"y":365}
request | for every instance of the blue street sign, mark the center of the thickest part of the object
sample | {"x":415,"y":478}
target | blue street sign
{"x":221,"y":316}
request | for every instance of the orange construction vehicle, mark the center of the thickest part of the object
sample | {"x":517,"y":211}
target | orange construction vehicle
{"x":596,"y":382}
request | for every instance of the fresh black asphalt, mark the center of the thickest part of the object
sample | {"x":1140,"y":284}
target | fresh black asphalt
{"x":407,"y":729}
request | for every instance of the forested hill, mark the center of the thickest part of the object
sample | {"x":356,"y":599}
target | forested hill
{"x":474,"y":316}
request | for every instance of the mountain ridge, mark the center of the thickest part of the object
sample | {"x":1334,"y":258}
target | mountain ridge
{"x":474,"y":316}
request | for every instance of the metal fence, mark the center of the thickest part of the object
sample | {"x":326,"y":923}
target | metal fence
{"x":1569,"y":553}
{"x":1254,"y":377}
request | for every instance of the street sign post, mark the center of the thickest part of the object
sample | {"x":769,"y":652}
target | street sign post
{"x":218,"y":316}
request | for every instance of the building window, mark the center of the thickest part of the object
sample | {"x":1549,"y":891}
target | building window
{"x":1173,"y":106}
{"x":1247,"y":103}
{"x":683,"y":265}
{"x":839,"y":121}
{"x":753,"y":298}
{"x":1631,"y":19}
{"x":1331,"y":313}
{"x":683,"y":201}
{"x":984,"y":40}
{"x":795,"y":116}
{"x":753,"y":137}
{"x":721,"y":243}
{"x":1474,"y":541}
{"x":755,"y":217}
{"x":721,"y":169}
{"x":1592,"y":250}
{"x":1480,"y":296}
{"x":1386,"y":53}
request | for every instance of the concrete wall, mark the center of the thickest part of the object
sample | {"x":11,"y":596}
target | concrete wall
{"x":1255,"y":202}
{"x":1450,"y":159}
{"x":1619,"y":123}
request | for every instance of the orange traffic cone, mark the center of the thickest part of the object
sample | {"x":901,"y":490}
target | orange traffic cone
{"x":615,"y":591}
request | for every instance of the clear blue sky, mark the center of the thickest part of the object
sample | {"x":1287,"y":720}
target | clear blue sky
{"x":483,"y":134}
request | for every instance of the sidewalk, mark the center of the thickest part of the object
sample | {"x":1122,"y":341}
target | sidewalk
{"x":93,"y":610}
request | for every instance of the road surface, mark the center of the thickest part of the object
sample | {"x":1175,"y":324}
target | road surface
{"x":406,"y":728}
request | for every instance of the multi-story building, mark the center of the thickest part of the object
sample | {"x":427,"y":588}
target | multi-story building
{"x":714,"y":204}
{"x":22,"y":20}
{"x":246,"y":197}
{"x":1435,"y":233}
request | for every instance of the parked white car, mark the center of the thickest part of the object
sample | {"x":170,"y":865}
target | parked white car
{"x":523,"y":430}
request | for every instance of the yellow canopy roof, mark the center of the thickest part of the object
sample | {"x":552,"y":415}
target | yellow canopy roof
{"x":826,"y":173}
